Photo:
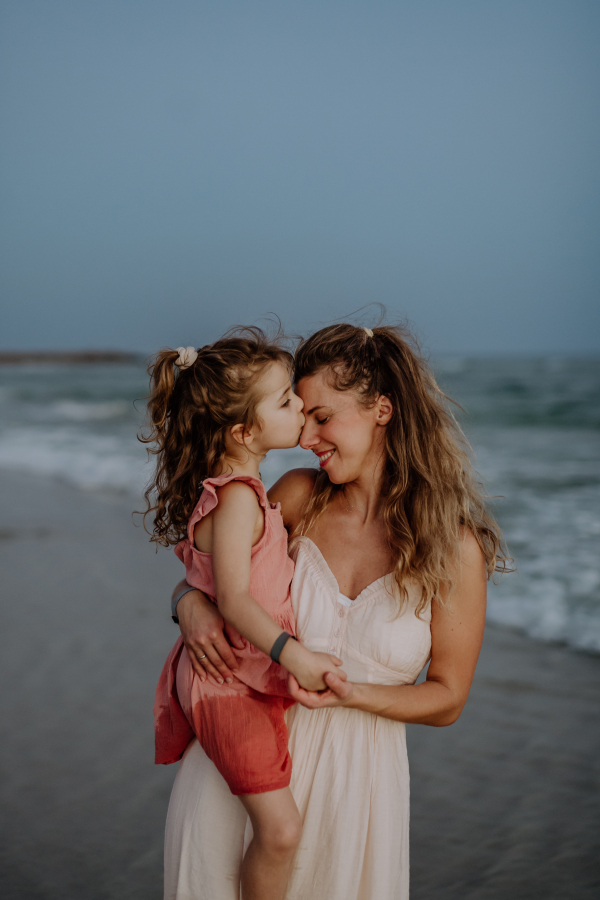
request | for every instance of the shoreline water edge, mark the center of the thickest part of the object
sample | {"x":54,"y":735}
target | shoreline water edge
{"x":534,"y":425}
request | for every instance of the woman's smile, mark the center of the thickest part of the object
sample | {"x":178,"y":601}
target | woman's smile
{"x":324,"y":456}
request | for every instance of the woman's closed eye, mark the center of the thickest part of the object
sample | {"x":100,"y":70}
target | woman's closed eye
{"x":322,"y":421}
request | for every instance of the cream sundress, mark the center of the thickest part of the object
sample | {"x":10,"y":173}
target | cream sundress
{"x":350,"y":769}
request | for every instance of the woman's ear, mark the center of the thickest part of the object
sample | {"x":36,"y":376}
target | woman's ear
{"x":241,"y":435}
{"x":384,"y":410}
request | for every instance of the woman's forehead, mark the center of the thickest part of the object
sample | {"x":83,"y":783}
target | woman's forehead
{"x":317,"y":390}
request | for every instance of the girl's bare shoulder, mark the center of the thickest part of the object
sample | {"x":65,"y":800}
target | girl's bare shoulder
{"x":293,"y":491}
{"x":239,"y":504}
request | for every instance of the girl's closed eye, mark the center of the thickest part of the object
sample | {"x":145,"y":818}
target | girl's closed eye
{"x":287,"y":402}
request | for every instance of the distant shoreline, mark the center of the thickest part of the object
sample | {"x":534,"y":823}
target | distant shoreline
{"x":68,"y":357}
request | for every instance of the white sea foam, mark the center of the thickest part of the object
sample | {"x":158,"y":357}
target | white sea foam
{"x":95,"y":461}
{"x":550,"y":512}
{"x":86,"y":461}
{"x":72,"y":411}
{"x":534,"y":425}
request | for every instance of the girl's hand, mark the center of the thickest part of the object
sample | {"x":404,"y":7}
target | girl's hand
{"x":308,"y":667}
{"x":338,"y":693}
{"x":201,"y":626}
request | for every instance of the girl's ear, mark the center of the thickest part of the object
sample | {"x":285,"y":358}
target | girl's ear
{"x":241,"y":435}
{"x":384,"y":410}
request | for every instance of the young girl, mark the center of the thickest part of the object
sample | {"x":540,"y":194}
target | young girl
{"x":212,"y":423}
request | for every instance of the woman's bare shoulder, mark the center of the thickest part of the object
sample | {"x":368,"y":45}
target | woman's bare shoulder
{"x":470,"y":552}
{"x":293,"y":491}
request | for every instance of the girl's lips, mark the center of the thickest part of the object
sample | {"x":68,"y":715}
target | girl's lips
{"x":325,"y":457}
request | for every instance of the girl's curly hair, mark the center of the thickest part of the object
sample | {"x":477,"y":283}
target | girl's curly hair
{"x":189,"y":413}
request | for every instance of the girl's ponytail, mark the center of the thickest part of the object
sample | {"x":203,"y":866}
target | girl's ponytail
{"x":162,"y":382}
{"x":189,"y":412}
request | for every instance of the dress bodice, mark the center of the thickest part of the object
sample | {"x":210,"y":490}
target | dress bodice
{"x":350,"y":775}
{"x":380,"y":640}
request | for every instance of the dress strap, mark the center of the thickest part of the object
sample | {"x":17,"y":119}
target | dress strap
{"x":208,"y":498}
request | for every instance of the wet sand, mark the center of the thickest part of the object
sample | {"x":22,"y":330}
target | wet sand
{"x":505,"y":803}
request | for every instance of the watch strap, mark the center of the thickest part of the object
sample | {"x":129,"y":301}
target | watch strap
{"x":176,"y":600}
{"x":279,"y":645}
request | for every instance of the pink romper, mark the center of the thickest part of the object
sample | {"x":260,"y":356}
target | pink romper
{"x":240,"y":726}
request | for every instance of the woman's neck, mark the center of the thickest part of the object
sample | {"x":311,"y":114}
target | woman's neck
{"x":363,"y":496}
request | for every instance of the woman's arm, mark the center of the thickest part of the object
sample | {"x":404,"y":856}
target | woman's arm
{"x":456,"y":636}
{"x":204,"y":631}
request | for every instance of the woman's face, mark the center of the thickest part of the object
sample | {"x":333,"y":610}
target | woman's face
{"x":347,"y":437}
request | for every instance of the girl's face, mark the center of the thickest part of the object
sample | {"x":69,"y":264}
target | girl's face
{"x":347,"y":437}
{"x":279,"y":411}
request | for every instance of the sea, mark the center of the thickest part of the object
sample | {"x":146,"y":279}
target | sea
{"x":533,"y":424}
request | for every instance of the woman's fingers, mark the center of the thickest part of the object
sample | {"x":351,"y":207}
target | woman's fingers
{"x":196,"y":664}
{"x":338,"y":691}
{"x":340,"y":686}
{"x":225,"y":651}
{"x":338,"y":662}
{"x":236,"y":639}
{"x":206,"y":660}
{"x":201,"y":626}
{"x":299,"y":694}
{"x":311,"y":699}
{"x":212,"y":663}
{"x":216,"y":656}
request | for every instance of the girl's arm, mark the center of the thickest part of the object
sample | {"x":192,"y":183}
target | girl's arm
{"x":234,"y":521}
{"x":456,"y":636}
{"x":200,"y":622}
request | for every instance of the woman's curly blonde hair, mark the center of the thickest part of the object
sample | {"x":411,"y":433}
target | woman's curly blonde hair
{"x":430,"y":491}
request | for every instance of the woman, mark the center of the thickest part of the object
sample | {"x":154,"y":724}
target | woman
{"x":392,"y":545}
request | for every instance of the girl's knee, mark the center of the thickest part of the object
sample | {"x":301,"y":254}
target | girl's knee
{"x":282,"y":838}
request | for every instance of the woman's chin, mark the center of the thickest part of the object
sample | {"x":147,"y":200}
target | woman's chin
{"x":334,"y":477}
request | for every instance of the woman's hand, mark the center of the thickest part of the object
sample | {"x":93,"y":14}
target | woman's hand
{"x":339,"y":692}
{"x":202,"y":628}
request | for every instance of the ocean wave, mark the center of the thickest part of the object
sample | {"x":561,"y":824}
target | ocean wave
{"x":534,"y":426}
{"x":555,"y":393}
{"x":90,"y":462}
{"x":550,"y":514}
{"x":545,"y":614}
{"x":95,"y":461}
{"x":72,"y":411}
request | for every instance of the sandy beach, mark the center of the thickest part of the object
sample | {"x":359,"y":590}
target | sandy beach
{"x":505,"y":803}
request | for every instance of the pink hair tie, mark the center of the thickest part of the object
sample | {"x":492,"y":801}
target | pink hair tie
{"x":187,"y":357}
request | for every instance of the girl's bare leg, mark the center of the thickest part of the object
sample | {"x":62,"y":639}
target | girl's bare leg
{"x":277,"y":829}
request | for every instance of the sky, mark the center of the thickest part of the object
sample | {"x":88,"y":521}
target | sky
{"x":169,"y":169}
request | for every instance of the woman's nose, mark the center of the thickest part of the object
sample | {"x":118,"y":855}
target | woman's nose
{"x":309,"y":437}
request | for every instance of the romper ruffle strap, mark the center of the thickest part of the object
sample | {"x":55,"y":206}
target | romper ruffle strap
{"x":208,"y":499}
